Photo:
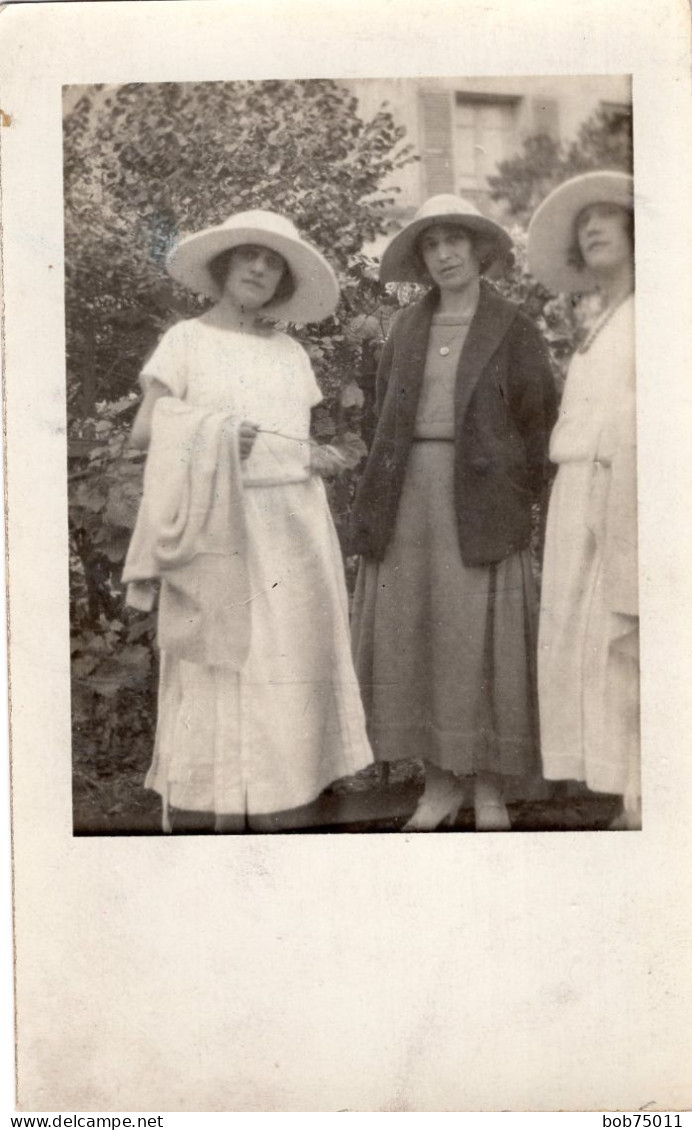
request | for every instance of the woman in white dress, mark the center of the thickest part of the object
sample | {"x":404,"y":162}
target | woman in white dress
{"x":275,"y":715}
{"x":582,"y":239}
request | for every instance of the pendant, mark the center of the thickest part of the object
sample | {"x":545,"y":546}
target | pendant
{"x":444,"y":352}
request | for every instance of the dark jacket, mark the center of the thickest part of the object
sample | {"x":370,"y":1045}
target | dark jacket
{"x":505,"y":407}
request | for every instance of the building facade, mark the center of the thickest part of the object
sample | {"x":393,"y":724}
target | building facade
{"x":462,"y":128}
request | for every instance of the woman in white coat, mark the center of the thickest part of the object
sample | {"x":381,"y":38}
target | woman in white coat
{"x":581,"y":239}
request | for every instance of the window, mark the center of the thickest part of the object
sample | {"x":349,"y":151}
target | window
{"x":485,"y":133}
{"x":463,"y":137}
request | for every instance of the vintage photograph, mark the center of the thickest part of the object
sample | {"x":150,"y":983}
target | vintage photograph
{"x":334,"y":556}
{"x":352,"y":452}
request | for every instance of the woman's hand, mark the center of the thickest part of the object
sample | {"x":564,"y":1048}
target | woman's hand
{"x":326,"y":461}
{"x":247,"y":434}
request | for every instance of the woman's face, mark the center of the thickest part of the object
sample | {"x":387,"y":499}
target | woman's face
{"x":603,"y":235}
{"x":254,"y":272}
{"x":449,"y":256}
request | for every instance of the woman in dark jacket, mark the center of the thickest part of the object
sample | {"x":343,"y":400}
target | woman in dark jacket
{"x":444,"y":616}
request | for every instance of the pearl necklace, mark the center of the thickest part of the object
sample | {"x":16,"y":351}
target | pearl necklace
{"x":603,"y":322}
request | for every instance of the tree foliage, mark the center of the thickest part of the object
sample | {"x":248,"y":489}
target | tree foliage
{"x":142,"y":165}
{"x":147,"y":162}
{"x":604,"y":141}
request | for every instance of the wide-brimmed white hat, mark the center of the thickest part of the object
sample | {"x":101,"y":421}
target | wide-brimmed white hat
{"x":316,"y":290}
{"x":400,"y":263}
{"x":553,"y":228}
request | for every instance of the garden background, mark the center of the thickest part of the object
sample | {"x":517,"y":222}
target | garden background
{"x":144,"y":163}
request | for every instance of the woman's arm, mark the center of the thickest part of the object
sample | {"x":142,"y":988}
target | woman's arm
{"x":140,"y":435}
{"x":533,"y":398}
{"x":620,"y":557}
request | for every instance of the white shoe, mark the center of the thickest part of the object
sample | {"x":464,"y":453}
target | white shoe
{"x":436,"y":807}
{"x":492,"y":816}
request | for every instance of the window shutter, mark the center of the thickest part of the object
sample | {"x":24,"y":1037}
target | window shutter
{"x":545,"y":116}
{"x":437,"y":145}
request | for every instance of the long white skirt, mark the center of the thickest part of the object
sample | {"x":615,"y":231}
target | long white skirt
{"x":588,"y":672}
{"x":273,"y":735}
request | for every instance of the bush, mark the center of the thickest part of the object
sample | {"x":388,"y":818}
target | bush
{"x":143,"y":163}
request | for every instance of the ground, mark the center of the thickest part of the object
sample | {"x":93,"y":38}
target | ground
{"x":109,"y":800}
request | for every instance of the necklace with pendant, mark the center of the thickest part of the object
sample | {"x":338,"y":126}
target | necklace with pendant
{"x":445,"y":350}
{"x":602,"y":323}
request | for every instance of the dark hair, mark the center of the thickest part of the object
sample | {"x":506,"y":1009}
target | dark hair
{"x":485,"y":247}
{"x":218,"y":269}
{"x":574,"y":256}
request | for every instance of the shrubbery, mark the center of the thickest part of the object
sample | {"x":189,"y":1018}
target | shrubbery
{"x":143,"y":163}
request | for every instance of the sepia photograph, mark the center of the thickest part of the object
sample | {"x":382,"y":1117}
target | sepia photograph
{"x":346,"y":445}
{"x":350,"y":381}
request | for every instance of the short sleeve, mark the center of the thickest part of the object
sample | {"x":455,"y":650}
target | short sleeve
{"x":168,"y":363}
{"x":313,"y":393}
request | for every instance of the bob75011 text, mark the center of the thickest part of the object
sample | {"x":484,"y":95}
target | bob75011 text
{"x":650,"y":1121}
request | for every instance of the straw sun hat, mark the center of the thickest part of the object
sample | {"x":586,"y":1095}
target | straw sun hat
{"x":401,"y":263}
{"x":316,"y":290}
{"x":553,"y":227}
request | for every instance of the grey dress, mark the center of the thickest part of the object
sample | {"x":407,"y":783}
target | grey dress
{"x":444,"y":651}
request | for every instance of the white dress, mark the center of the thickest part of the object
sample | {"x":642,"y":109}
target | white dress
{"x":588,"y":664}
{"x":273,"y":735}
